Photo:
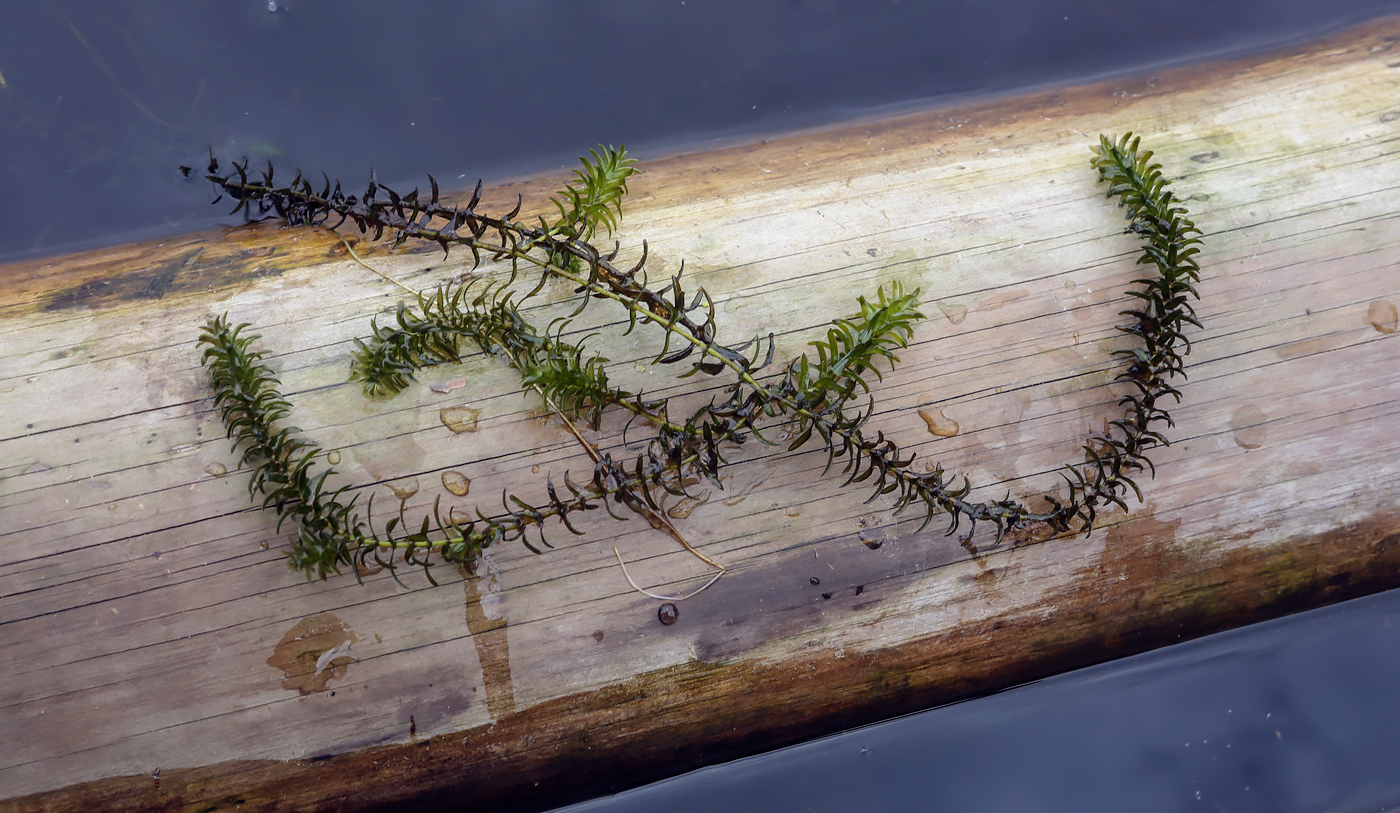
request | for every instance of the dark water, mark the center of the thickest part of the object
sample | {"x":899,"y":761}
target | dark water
{"x":1298,"y":714}
{"x":101,"y":101}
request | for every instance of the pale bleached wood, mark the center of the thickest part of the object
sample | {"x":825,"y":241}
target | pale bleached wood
{"x":139,"y":609}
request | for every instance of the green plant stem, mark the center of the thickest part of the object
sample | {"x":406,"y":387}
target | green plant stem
{"x":813,"y":394}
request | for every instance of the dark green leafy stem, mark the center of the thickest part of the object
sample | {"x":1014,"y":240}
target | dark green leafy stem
{"x":330,"y":534}
{"x":1163,"y":311}
{"x":827,"y":397}
{"x":245,"y":393}
{"x":597,"y":199}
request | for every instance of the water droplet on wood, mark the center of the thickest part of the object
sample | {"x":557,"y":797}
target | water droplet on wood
{"x":216,"y":470}
{"x":939,"y":424}
{"x":1099,"y":446}
{"x":459,"y":419}
{"x":683,"y":509}
{"x":1030,"y":533}
{"x":1382,"y":316}
{"x":456,"y":482}
{"x":667,"y":613}
{"x":404,"y":489}
{"x":1248,"y":426}
{"x":449,"y":386}
{"x":955,"y":313}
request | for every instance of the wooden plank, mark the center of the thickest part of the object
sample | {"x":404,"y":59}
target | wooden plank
{"x":157,"y":656}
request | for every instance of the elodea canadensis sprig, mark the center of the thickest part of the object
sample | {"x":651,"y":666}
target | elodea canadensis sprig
{"x":824,"y":396}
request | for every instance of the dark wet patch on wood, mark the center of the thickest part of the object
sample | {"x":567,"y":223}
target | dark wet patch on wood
{"x":151,"y":283}
{"x":189,"y":265}
{"x":192,"y":265}
{"x":196,"y":272}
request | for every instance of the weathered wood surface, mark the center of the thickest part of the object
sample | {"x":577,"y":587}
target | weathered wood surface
{"x":157,"y":656}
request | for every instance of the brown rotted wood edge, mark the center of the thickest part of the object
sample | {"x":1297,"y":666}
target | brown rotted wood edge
{"x":514,"y":764}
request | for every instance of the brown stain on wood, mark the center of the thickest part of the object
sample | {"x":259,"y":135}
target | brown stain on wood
{"x":492,"y":649}
{"x":313,"y":653}
{"x":1137,"y":557}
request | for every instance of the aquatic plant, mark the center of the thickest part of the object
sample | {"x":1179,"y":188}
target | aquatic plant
{"x":823,"y":395}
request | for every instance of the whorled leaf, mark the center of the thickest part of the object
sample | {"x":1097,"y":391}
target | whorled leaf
{"x":814,"y":395}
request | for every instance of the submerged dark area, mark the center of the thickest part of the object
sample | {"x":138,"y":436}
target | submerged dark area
{"x":100,"y":102}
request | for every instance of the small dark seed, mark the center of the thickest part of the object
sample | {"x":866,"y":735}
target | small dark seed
{"x":860,"y":588}
{"x":826,"y":595}
{"x":815,"y":580}
{"x":668,"y":613}
{"x":873,"y":544}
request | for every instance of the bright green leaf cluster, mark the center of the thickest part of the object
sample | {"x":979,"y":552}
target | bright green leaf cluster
{"x":596,"y":200}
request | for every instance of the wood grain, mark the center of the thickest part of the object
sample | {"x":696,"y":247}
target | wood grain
{"x":158,"y":654}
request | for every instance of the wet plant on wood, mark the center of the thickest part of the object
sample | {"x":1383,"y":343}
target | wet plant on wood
{"x":822,"y":397}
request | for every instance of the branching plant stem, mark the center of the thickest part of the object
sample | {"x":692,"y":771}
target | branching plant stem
{"x":657,"y":519}
{"x":828,"y":398}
